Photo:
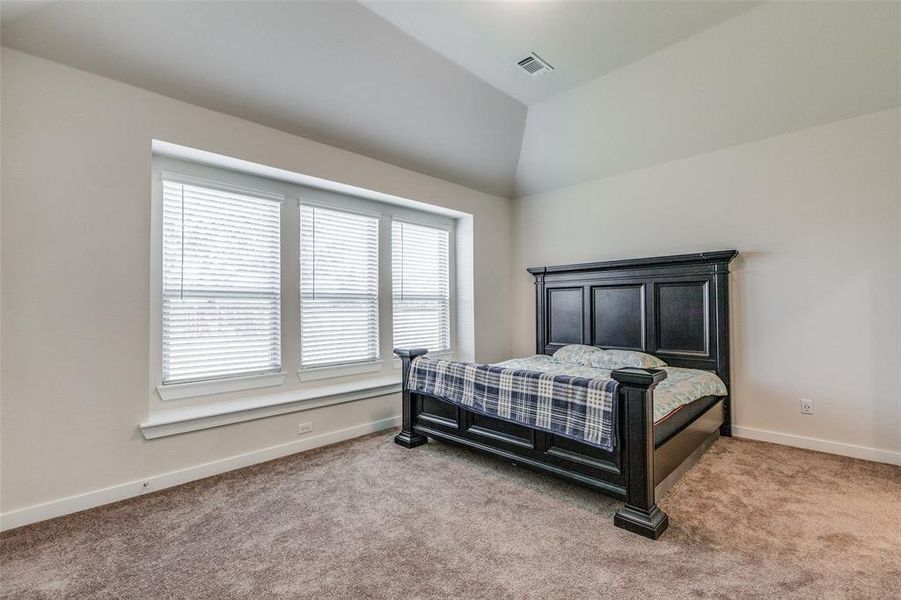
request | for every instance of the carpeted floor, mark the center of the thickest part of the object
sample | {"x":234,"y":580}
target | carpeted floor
{"x":369,"y":519}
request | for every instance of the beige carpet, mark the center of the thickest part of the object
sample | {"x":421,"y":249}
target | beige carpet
{"x":369,"y":519}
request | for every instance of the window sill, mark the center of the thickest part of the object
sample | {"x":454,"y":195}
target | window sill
{"x":330,"y":371}
{"x":182,"y":420}
{"x":179,"y":391}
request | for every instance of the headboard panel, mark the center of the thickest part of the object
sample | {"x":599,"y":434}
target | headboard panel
{"x":674,"y":307}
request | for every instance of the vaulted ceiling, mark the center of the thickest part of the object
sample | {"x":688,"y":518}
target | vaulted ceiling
{"x":434,"y":87}
{"x":428,"y":86}
{"x":581,"y":40}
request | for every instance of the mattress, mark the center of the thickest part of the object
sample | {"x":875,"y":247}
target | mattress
{"x":678,"y":399}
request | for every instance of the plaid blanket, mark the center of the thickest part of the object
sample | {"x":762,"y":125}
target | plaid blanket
{"x":579,"y":408}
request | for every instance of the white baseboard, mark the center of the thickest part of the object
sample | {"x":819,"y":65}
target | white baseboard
{"x":786,"y":439}
{"x":73,"y":504}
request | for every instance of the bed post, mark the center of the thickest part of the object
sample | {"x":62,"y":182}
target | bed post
{"x":407,"y":437}
{"x":640,"y":514}
{"x":721,"y":281}
{"x":540,"y":334}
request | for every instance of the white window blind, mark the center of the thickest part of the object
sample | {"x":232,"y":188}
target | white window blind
{"x":339,"y":287}
{"x":420,"y":273}
{"x":221,"y":283}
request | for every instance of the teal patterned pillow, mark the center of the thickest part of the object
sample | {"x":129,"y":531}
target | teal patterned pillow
{"x":577,"y":354}
{"x":618,"y":359}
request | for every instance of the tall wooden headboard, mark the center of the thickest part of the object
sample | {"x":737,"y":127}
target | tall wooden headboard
{"x":674,"y":307}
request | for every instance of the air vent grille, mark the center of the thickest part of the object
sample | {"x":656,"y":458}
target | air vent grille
{"x":535,"y":66}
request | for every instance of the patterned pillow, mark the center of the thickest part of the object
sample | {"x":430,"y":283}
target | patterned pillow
{"x":577,"y":354}
{"x":617,"y":359}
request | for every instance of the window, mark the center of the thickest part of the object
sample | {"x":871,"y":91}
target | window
{"x":339,"y":287}
{"x":421,"y":286}
{"x":254,"y":270}
{"x":221,"y":305}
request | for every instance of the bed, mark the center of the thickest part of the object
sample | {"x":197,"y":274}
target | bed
{"x":596,"y":428}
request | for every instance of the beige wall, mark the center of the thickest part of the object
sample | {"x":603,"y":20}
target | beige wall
{"x":76,"y":152}
{"x":816,"y":215}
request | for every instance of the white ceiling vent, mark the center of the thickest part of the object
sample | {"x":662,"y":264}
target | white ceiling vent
{"x":535,"y":66}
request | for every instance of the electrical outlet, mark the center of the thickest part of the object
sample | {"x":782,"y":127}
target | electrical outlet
{"x":806,"y":406}
{"x":304,"y":428}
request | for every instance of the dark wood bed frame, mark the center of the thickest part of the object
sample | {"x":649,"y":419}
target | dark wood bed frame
{"x":674,"y":307}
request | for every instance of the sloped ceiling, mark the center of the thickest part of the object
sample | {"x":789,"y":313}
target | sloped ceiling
{"x":778,"y":68}
{"x":330,"y":71}
{"x":582,"y":40}
{"x":636,"y":83}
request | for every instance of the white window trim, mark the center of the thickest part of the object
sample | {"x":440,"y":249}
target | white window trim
{"x":321,"y":199}
{"x":425,"y":220}
{"x":192,"y":389}
{"x":339,"y":370}
{"x":217,"y":184}
{"x":170,"y":169}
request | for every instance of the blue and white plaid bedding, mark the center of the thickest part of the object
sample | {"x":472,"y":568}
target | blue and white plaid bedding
{"x":579,"y":408}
